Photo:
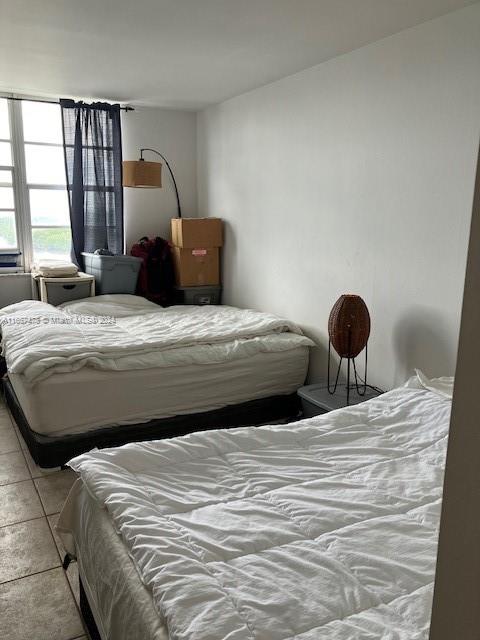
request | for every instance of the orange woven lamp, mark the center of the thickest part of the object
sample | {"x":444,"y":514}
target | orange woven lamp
{"x":348,"y":331}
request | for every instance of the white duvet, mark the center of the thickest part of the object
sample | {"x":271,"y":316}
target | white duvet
{"x":122,"y":332}
{"x":325,"y":528}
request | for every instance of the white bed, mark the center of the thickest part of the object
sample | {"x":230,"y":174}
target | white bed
{"x":324,"y":528}
{"x":88,"y":399}
{"x":130,"y":361}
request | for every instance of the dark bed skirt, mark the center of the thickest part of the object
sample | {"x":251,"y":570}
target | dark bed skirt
{"x":55,"y":451}
{"x":87,"y":614}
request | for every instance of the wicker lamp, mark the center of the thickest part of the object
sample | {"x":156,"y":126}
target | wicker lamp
{"x":348,"y":331}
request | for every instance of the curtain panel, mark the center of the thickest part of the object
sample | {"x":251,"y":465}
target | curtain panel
{"x":92,"y":142}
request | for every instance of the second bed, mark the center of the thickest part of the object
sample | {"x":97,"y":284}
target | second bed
{"x":121,"y":363}
{"x":323,"y":528}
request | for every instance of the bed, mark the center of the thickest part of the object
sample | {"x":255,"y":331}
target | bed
{"x":323,"y":528}
{"x":116,"y":368}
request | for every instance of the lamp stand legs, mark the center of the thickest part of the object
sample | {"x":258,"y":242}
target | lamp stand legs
{"x":360,"y":385}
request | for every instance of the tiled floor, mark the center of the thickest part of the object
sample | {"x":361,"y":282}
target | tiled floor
{"x":38,"y":599}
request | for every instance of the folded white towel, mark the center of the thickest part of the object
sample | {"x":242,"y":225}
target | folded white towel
{"x":54,"y":269}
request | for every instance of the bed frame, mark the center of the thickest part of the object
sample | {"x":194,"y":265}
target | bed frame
{"x":55,"y":451}
{"x":87,"y":614}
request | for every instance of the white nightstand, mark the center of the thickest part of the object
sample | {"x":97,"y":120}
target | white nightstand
{"x":58,"y":290}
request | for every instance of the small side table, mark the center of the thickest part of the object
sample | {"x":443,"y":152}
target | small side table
{"x":317,"y":400}
{"x":58,"y":290}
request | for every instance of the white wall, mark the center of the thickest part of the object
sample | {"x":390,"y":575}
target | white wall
{"x":15,"y":287}
{"x":355,"y":176}
{"x":173,"y":133}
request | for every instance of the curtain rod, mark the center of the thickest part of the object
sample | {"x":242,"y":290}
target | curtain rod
{"x":51,"y":101}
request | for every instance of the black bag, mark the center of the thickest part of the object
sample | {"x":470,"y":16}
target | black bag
{"x":156,"y":279}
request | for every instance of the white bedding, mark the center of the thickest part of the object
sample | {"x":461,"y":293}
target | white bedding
{"x":326,"y":528}
{"x":58,"y":405}
{"x":122,"y":606}
{"x":39,"y":340}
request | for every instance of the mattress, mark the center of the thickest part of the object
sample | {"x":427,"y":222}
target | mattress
{"x":322,"y":528}
{"x":86,"y":399}
{"x":121,"y":605}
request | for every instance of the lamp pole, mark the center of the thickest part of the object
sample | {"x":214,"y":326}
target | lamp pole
{"x":171,"y":173}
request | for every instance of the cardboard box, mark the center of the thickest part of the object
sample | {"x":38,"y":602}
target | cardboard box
{"x":197,"y":233}
{"x":196,"y":267}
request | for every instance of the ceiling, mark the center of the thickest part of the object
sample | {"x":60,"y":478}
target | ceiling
{"x":185,"y":53}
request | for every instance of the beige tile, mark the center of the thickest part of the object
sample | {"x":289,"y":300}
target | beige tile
{"x":54,"y":488}
{"x":5,"y":420}
{"x":26,"y":548}
{"x":72,"y":571}
{"x":39,"y":606}
{"x":35,"y":470}
{"x":8,"y":440}
{"x":19,"y":502}
{"x":13,"y":467}
{"x":52,"y":521}
{"x":23,"y":444}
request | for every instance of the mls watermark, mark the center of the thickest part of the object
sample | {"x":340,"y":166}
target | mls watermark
{"x":56,"y":320}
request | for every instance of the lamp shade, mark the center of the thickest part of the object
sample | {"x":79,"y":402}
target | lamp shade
{"x":140,"y":173}
{"x":349,"y":325}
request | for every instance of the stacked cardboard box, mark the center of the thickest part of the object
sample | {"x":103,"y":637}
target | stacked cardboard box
{"x":196,"y":251}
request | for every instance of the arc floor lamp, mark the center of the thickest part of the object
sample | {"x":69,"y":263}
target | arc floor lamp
{"x":148,"y":175}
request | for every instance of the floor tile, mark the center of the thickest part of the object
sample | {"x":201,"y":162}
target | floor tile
{"x":23,"y":444}
{"x":54,"y":488}
{"x":72,"y":571}
{"x":39,"y":606}
{"x":8,"y":440}
{"x":35,"y":470}
{"x":13,"y":468}
{"x":19,"y":502}
{"x":5,"y":420}
{"x":52,"y":521}
{"x":26,"y":548}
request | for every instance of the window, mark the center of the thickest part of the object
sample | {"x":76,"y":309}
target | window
{"x":34,"y":212}
{"x":8,"y":231}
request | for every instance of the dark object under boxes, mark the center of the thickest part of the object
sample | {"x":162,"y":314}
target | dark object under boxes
{"x":196,"y":245}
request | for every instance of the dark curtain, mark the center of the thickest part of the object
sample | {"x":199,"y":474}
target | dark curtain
{"x":92,"y":141}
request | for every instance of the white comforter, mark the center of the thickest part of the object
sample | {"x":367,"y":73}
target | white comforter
{"x":127,"y":332}
{"x":326,"y":528}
